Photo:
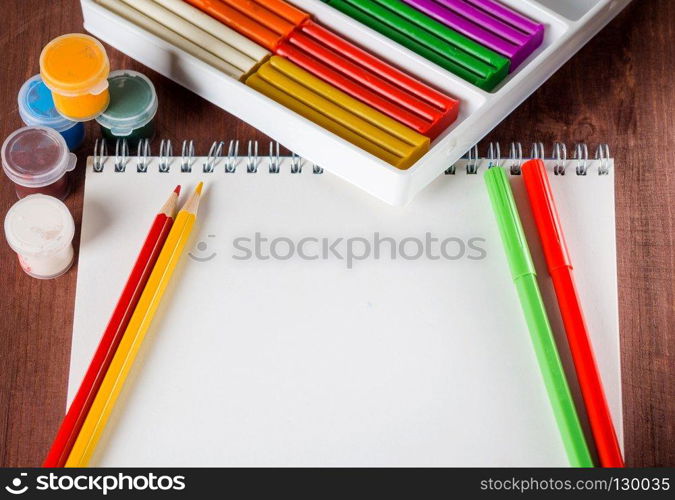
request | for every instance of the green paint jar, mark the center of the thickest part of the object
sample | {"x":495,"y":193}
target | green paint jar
{"x":133,"y":105}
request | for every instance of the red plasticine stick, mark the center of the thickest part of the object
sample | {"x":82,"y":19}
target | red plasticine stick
{"x":79,"y":408}
{"x":369,"y":79}
{"x":559,"y":266}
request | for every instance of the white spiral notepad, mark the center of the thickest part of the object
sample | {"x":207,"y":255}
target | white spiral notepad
{"x":313,"y":325}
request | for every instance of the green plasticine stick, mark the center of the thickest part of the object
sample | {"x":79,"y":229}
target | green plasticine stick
{"x":442,"y":31}
{"x":524,"y":278}
{"x":430,"y":39}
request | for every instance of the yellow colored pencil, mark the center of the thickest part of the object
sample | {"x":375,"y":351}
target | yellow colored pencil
{"x":133,"y":336}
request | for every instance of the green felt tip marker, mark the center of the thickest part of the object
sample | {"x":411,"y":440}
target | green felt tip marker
{"x":525,"y":280}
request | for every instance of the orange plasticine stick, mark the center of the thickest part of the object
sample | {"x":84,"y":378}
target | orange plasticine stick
{"x":286,"y":10}
{"x":270,"y":19}
{"x":238,"y":21}
{"x":266,"y":22}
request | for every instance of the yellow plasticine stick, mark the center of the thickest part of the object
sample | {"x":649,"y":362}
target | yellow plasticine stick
{"x":264,"y":87}
{"x":336,"y":112}
{"x":134,"y":334}
{"x":347,"y":106}
{"x":370,"y":129}
{"x":369,"y":114}
{"x":323,"y":105}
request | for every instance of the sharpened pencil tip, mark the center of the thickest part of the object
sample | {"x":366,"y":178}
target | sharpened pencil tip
{"x":177,"y":190}
{"x":198,"y":189}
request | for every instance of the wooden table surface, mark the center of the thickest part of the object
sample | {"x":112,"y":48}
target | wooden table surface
{"x":618,"y":89}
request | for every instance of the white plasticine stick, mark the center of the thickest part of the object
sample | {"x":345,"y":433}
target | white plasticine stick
{"x":155,"y":28}
{"x":191,"y":32}
{"x":215,"y":28}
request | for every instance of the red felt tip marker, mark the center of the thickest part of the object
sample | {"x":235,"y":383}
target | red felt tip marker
{"x":559,"y":266}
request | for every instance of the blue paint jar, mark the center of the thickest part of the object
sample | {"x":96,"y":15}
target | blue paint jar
{"x":36,"y":108}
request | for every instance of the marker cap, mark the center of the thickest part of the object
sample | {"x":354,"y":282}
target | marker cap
{"x":508,"y":220}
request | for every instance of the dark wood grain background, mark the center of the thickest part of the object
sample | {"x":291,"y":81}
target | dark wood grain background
{"x":619,"y":89}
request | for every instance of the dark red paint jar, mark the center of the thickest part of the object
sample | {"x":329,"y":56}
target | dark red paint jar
{"x":37,"y":160}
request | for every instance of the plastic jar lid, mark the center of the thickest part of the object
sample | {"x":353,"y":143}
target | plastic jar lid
{"x":133,"y":102}
{"x":39,"y":225}
{"x":75,"y":64}
{"x":36,"y":106}
{"x":36,"y":156}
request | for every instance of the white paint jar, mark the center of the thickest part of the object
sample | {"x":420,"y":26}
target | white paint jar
{"x":40,"y":229}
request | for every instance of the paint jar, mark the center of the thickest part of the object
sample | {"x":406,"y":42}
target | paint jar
{"x":40,"y":230}
{"x":37,"y":160}
{"x":133,"y":105}
{"x":75,"y":68}
{"x":36,"y":108}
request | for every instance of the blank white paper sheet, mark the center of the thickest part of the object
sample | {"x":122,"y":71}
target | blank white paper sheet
{"x":274,"y":347}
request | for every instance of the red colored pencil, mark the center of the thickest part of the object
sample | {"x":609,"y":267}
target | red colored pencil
{"x":560,"y":268}
{"x":72,"y":422}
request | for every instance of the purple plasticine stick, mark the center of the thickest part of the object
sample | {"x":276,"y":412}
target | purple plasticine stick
{"x":489,"y":23}
{"x":509,"y":24}
{"x":467,"y":26}
{"x":508,"y":15}
{"x":499,"y":24}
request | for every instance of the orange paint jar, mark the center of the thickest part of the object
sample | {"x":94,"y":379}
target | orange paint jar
{"x":75,"y":68}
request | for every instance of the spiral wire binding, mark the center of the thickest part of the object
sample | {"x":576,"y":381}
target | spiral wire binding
{"x":296,"y":164}
{"x":143,"y":156}
{"x":121,"y":155}
{"x":560,"y":158}
{"x":187,"y":156}
{"x":537,"y":152}
{"x":100,"y":155}
{"x":515,"y":158}
{"x":275,"y":162}
{"x":165,"y":155}
{"x":581,"y":156}
{"x":473,"y":161}
{"x":602,"y":154}
{"x":494,"y":155}
{"x":215,"y":152}
{"x":232,"y":155}
{"x":253,"y":158}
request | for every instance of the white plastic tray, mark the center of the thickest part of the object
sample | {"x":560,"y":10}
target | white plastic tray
{"x":569,"y":25}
